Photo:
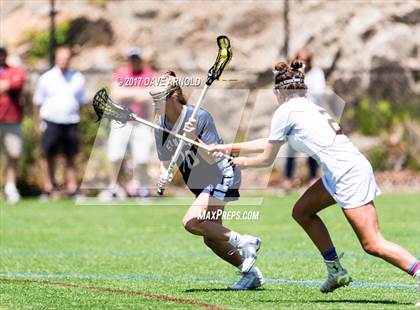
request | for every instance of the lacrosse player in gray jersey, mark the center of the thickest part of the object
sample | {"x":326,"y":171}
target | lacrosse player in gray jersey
{"x":213,"y":181}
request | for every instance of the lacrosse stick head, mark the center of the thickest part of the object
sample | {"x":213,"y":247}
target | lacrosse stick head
{"x":106,"y":108}
{"x":223,"y":58}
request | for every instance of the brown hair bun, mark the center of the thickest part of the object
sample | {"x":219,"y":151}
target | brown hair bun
{"x":281,"y":68}
{"x":297,"y":65}
{"x":289,"y":76}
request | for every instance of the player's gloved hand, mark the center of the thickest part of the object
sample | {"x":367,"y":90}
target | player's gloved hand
{"x":190,"y":129}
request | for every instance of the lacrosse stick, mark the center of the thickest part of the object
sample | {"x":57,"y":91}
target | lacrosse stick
{"x":106,"y":108}
{"x":223,"y":58}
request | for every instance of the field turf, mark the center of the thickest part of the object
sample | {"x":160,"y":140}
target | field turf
{"x":61,"y":256}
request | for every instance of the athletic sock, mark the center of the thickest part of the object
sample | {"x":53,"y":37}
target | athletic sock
{"x":10,"y":186}
{"x":413,"y":268}
{"x":234,"y":238}
{"x":330,"y":255}
{"x":240,"y":268}
{"x":250,"y":270}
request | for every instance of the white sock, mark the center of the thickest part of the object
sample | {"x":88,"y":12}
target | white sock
{"x":234,"y":238}
{"x":10,"y":187}
{"x":250,"y":270}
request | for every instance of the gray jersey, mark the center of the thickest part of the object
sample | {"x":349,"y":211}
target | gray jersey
{"x":196,"y":171}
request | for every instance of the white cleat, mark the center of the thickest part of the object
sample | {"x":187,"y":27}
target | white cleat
{"x":417,"y":277}
{"x":12,"y":194}
{"x":337,"y":276}
{"x":249,"y":281}
{"x":248,"y":249}
{"x":115,"y":192}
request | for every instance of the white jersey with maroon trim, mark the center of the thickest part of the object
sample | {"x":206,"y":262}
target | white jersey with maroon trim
{"x":310,"y":129}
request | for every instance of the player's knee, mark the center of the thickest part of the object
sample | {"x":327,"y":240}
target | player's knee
{"x":191,"y":225}
{"x":372,"y":247}
{"x":209,"y":242}
{"x":299,"y":215}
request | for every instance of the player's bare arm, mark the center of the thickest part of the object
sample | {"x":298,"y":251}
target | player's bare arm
{"x":265,"y":159}
{"x":248,"y":147}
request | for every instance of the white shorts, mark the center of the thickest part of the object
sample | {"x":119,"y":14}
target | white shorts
{"x":355,"y":188}
{"x":141,"y":140}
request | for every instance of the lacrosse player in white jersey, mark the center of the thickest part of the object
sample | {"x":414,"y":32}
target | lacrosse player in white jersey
{"x":348,"y":177}
{"x":213,"y":181}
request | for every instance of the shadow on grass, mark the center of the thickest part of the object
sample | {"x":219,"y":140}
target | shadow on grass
{"x":200,"y":290}
{"x":338,"y":301}
{"x":362,"y":301}
{"x":331,"y":302}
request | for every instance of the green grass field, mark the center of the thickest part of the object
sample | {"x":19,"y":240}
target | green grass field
{"x":61,"y":256}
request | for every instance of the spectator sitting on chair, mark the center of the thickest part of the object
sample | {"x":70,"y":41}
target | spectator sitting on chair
{"x":129,"y":87}
{"x":315,"y":80}
{"x":11,"y":139}
{"x":60,"y":92}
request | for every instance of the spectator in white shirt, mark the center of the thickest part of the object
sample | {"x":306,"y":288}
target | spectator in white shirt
{"x":315,"y":81}
{"x":59,"y":93}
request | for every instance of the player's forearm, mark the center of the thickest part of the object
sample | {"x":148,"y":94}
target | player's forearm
{"x":204,"y":153}
{"x":259,"y":161}
{"x":264,"y":159}
{"x":254,"y":146}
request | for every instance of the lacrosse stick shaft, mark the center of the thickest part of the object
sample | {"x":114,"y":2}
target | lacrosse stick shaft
{"x":103,"y":105}
{"x":223,"y":58}
{"x":178,"y":151}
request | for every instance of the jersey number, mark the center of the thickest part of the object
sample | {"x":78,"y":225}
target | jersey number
{"x":333,"y":124}
{"x":190,"y":160}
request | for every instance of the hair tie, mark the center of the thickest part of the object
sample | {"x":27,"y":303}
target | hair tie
{"x":290,"y":81}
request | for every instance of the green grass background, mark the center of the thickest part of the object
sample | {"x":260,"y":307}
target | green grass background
{"x":59,"y":237}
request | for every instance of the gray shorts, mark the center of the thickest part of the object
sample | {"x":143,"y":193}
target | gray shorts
{"x":11,"y":139}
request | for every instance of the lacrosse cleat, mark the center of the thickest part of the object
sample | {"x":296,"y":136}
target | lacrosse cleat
{"x":112,"y":193}
{"x":248,"y":247}
{"x":250,"y":280}
{"x":337,"y":276}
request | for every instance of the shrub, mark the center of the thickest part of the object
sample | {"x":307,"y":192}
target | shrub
{"x":41,"y":41}
{"x":374,"y":118}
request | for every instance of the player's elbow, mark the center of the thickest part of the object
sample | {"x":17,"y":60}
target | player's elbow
{"x":266,"y":161}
